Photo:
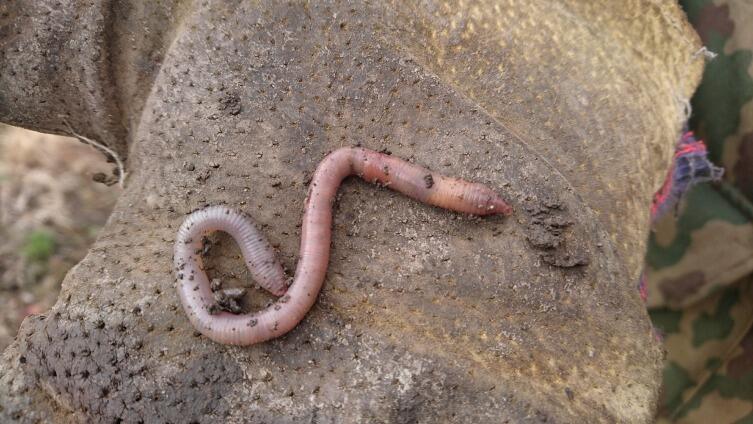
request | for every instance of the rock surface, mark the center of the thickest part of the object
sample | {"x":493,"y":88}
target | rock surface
{"x":569,"y":109}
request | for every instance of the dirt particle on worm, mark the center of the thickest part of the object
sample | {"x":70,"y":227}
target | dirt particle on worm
{"x":429,"y":181}
{"x":215,"y":284}
{"x":206,"y":245}
{"x":229,"y":300}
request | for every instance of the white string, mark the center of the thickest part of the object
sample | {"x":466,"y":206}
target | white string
{"x":98,"y":145}
{"x":708,"y":54}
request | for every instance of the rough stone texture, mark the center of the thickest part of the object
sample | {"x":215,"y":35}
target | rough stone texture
{"x":570,"y":109}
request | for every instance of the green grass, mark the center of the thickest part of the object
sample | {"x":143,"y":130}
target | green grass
{"x":38,"y":246}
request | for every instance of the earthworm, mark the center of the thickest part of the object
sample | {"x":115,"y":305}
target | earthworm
{"x":296,"y":300}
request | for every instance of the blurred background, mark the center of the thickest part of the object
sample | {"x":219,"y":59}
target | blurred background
{"x":51,"y":209}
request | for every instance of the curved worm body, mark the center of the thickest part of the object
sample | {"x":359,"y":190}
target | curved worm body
{"x":295,"y":301}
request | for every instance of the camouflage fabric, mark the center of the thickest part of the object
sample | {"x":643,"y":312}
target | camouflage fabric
{"x":700,"y":262}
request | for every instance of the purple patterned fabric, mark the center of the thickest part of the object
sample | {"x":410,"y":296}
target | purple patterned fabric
{"x":689,"y":167}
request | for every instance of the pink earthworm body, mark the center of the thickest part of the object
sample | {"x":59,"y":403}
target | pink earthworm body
{"x":295,"y":301}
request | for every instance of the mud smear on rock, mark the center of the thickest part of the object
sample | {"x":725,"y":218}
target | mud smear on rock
{"x":549,"y":229}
